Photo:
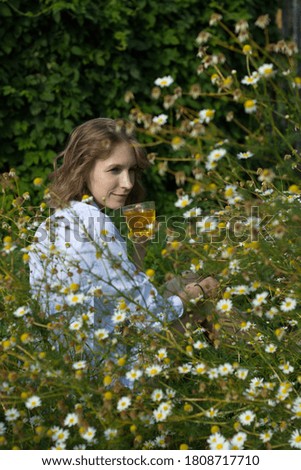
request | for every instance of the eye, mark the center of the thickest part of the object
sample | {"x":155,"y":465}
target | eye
{"x":114,"y":170}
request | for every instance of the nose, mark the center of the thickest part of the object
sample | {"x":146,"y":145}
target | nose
{"x":127,"y":180}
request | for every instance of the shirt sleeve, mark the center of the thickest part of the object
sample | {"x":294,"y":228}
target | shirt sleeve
{"x":85,"y":248}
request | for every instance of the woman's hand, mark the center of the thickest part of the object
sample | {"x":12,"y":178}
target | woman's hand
{"x":207,"y":288}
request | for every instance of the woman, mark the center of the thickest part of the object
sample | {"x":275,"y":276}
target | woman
{"x":79,"y":258}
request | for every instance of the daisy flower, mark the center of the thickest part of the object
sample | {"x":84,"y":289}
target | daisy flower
{"x":286,"y":368}
{"x":89,"y":434}
{"x":288,"y":304}
{"x":161,"y":119}
{"x":161,"y":354}
{"x":241,"y":290}
{"x":101,"y":334}
{"x":170,"y":393}
{"x":59,"y":434}
{"x":244,"y":155}
{"x":21,"y":311}
{"x":110,"y":433}
{"x":225,"y":369}
{"x":196,"y":266}
{"x":256,"y":382}
{"x":238,"y":440}
{"x":164,"y":81}
{"x":157,"y":395}
{"x":184,"y":369}
{"x":250,"y":106}
{"x":200,"y":345}
{"x":271,"y":312}
{"x":165,"y":407}
{"x":295,"y":439}
{"x":224,"y":305}
{"x":247,"y":417}
{"x":297,"y":407}
{"x":260,"y":299}
{"x":230,"y":191}
{"x":177,"y":142}
{"x":71,"y":419}
{"x":153,"y":370}
{"x":76,"y":324}
{"x":266,"y":436}
{"x":79,"y":365}
{"x":266,"y":70}
{"x":206,"y":115}
{"x":75,"y":299}
{"x":183,"y":201}
{"x":199,"y":369}
{"x":11,"y":414}
{"x":270,"y":348}
{"x":218,"y":442}
{"x":33,"y":402}
{"x":251,"y":79}
{"x":297,"y":82}
{"x":213,"y":373}
{"x":211,"y":413}
{"x":159,"y":415}
{"x":206,"y":224}
{"x":123,"y":403}
{"x":210,"y":165}
{"x":118,"y":316}
{"x":195,"y":212}
{"x":134,"y":374}
{"x":217,"y":154}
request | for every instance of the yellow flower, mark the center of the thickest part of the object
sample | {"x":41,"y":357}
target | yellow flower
{"x":196,"y":189}
{"x":150,"y":273}
{"x":214,"y":429}
{"x":177,"y":142}
{"x":107,"y":380}
{"x":74,"y":287}
{"x":175,"y":245}
{"x":184,"y":447}
{"x":108,"y":396}
{"x":188,"y":407}
{"x":38,"y":181}
{"x":250,"y":106}
{"x":247,"y":49}
{"x":25,"y":338}
{"x":121,"y":361}
{"x":297,"y":82}
{"x":212,"y":187}
{"x":294,"y":188}
{"x":133,"y":428}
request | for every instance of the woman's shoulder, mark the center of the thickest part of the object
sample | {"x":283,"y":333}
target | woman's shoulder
{"x":89,"y":213}
{"x":85,"y":209}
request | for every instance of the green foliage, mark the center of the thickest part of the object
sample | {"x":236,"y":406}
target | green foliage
{"x":229,"y":382}
{"x":65,"y":62}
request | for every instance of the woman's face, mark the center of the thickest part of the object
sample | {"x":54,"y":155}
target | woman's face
{"x":111,"y":180}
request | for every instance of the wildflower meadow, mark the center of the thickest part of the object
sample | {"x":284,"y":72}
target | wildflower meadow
{"x":230,"y":145}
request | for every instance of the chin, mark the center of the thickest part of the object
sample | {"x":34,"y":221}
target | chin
{"x":114,"y":206}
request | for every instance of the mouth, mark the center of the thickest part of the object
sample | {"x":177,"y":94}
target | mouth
{"x":120,"y":195}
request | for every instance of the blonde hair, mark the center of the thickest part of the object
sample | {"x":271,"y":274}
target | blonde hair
{"x":91,"y":141}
